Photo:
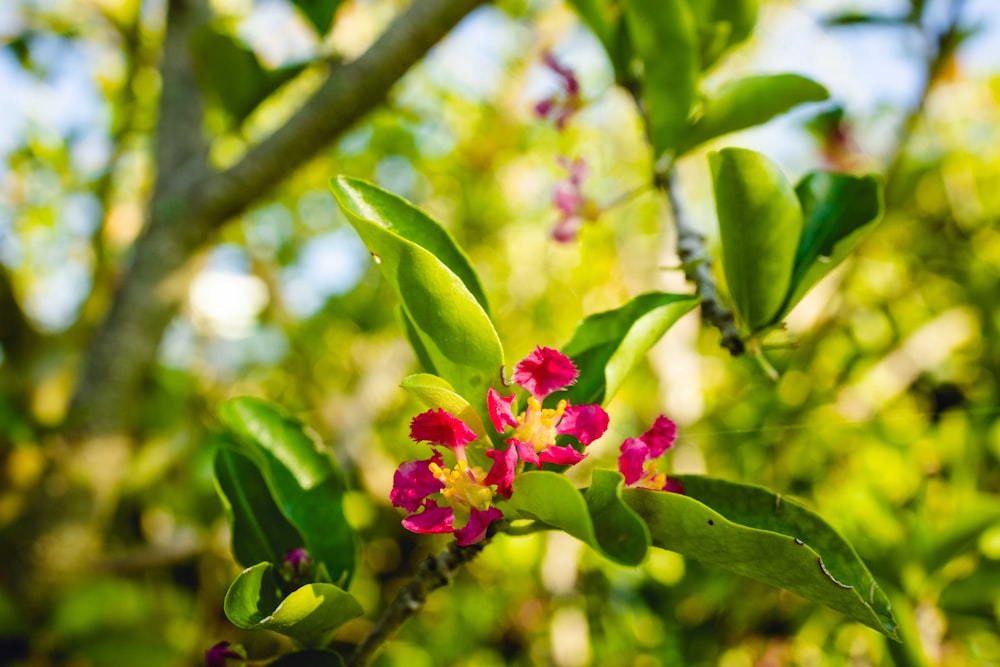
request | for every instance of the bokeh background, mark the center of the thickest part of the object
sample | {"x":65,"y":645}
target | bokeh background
{"x":885,"y":418}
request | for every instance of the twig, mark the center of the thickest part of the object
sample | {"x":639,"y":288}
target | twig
{"x":697,"y":267}
{"x":433,"y":573}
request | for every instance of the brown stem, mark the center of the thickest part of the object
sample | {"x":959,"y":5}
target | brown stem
{"x":433,"y":573}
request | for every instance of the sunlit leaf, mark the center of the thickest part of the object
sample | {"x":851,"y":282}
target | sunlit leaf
{"x":839,"y":211}
{"x":760,"y":224}
{"x":435,"y":283}
{"x":754,"y":532}
{"x":320,"y":13}
{"x":606,"y":346}
{"x":664,"y":36}
{"x":303,"y":480}
{"x":308,"y":613}
{"x":748,"y":102}
{"x":552,"y":499}
{"x":722,"y":24}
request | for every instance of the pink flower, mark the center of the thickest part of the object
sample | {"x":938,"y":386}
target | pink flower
{"x":637,"y":461}
{"x":535,"y":429}
{"x":225,"y":655}
{"x":575,"y":208}
{"x":451,"y":500}
{"x":561,"y":105}
{"x":297,"y":564}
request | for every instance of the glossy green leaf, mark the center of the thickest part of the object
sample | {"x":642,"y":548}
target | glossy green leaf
{"x":260,"y":532}
{"x":308,"y":613}
{"x":436,"y":285}
{"x":749,"y":102}
{"x":839,"y":211}
{"x":552,"y":499}
{"x":230,"y":73}
{"x":754,"y":532}
{"x":722,"y":24}
{"x":607,"y":346}
{"x":435,"y":392}
{"x":760,"y":224}
{"x":319,"y":13}
{"x":664,"y":36}
{"x":303,"y":480}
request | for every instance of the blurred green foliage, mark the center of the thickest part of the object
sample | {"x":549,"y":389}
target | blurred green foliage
{"x":884,"y":419}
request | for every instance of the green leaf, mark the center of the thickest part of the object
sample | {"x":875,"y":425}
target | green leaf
{"x":260,"y":532}
{"x":437,"y":287}
{"x":435,"y":392}
{"x":607,"y":346}
{"x":839,"y":210}
{"x":754,"y":532}
{"x":308,"y":613}
{"x":603,"y":19}
{"x":230,"y":73}
{"x":310,"y":658}
{"x":760,"y":224}
{"x":552,"y":499}
{"x":722,"y":24}
{"x":664,"y":36}
{"x":303,"y":480}
{"x":749,"y":102}
{"x":319,"y":13}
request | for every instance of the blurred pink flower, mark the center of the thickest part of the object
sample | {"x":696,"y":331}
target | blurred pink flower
{"x":575,"y":208}
{"x":561,"y":105}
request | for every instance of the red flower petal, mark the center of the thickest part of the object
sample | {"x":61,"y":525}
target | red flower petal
{"x":544,"y":371}
{"x":413,"y":482}
{"x":502,"y":472}
{"x":475,"y":530}
{"x":634,"y":454}
{"x":525,"y":451}
{"x":673,"y":486}
{"x":434,"y":519}
{"x":500,"y":409}
{"x":660,"y":436}
{"x":584,"y":422}
{"x":441,"y":428}
{"x":561,"y":455}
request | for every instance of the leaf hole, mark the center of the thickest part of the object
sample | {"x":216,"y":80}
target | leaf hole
{"x":798,"y":541}
{"x":711,"y":523}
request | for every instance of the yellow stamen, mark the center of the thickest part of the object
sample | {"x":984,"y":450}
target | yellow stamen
{"x":538,"y":426}
{"x":463,"y":485}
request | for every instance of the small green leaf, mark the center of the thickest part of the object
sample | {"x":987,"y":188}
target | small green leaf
{"x":230,"y":73}
{"x":302,"y":479}
{"x":437,"y":287}
{"x":606,"y":346}
{"x":722,"y":24}
{"x":749,"y":102}
{"x":435,"y":392}
{"x":308,"y":613}
{"x":319,"y":13}
{"x":753,"y":532}
{"x":260,"y":532}
{"x":664,"y":36}
{"x":760,"y":224}
{"x":552,"y":499}
{"x":839,"y":210}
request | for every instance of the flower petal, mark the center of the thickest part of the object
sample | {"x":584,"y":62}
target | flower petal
{"x":660,"y":437}
{"x":634,"y":454}
{"x":502,"y":472}
{"x":673,"y":486}
{"x":413,"y":482}
{"x":544,"y":371}
{"x":475,"y":530}
{"x":441,"y":428}
{"x":500,"y":409}
{"x":434,"y":519}
{"x":561,"y":455}
{"x":586,"y":423}
{"x":525,"y":451}
{"x":567,"y":230}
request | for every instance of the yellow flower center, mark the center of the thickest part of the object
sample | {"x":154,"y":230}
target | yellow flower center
{"x":463,"y":485}
{"x":538,"y":426}
{"x":652,"y":479}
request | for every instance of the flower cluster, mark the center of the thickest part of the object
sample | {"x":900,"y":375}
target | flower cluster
{"x":460,"y":499}
{"x":575,"y":208}
{"x":567,"y":101}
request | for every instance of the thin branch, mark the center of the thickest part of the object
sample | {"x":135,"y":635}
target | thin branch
{"x":697,"y":265}
{"x":191,"y":202}
{"x":433,"y":573}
